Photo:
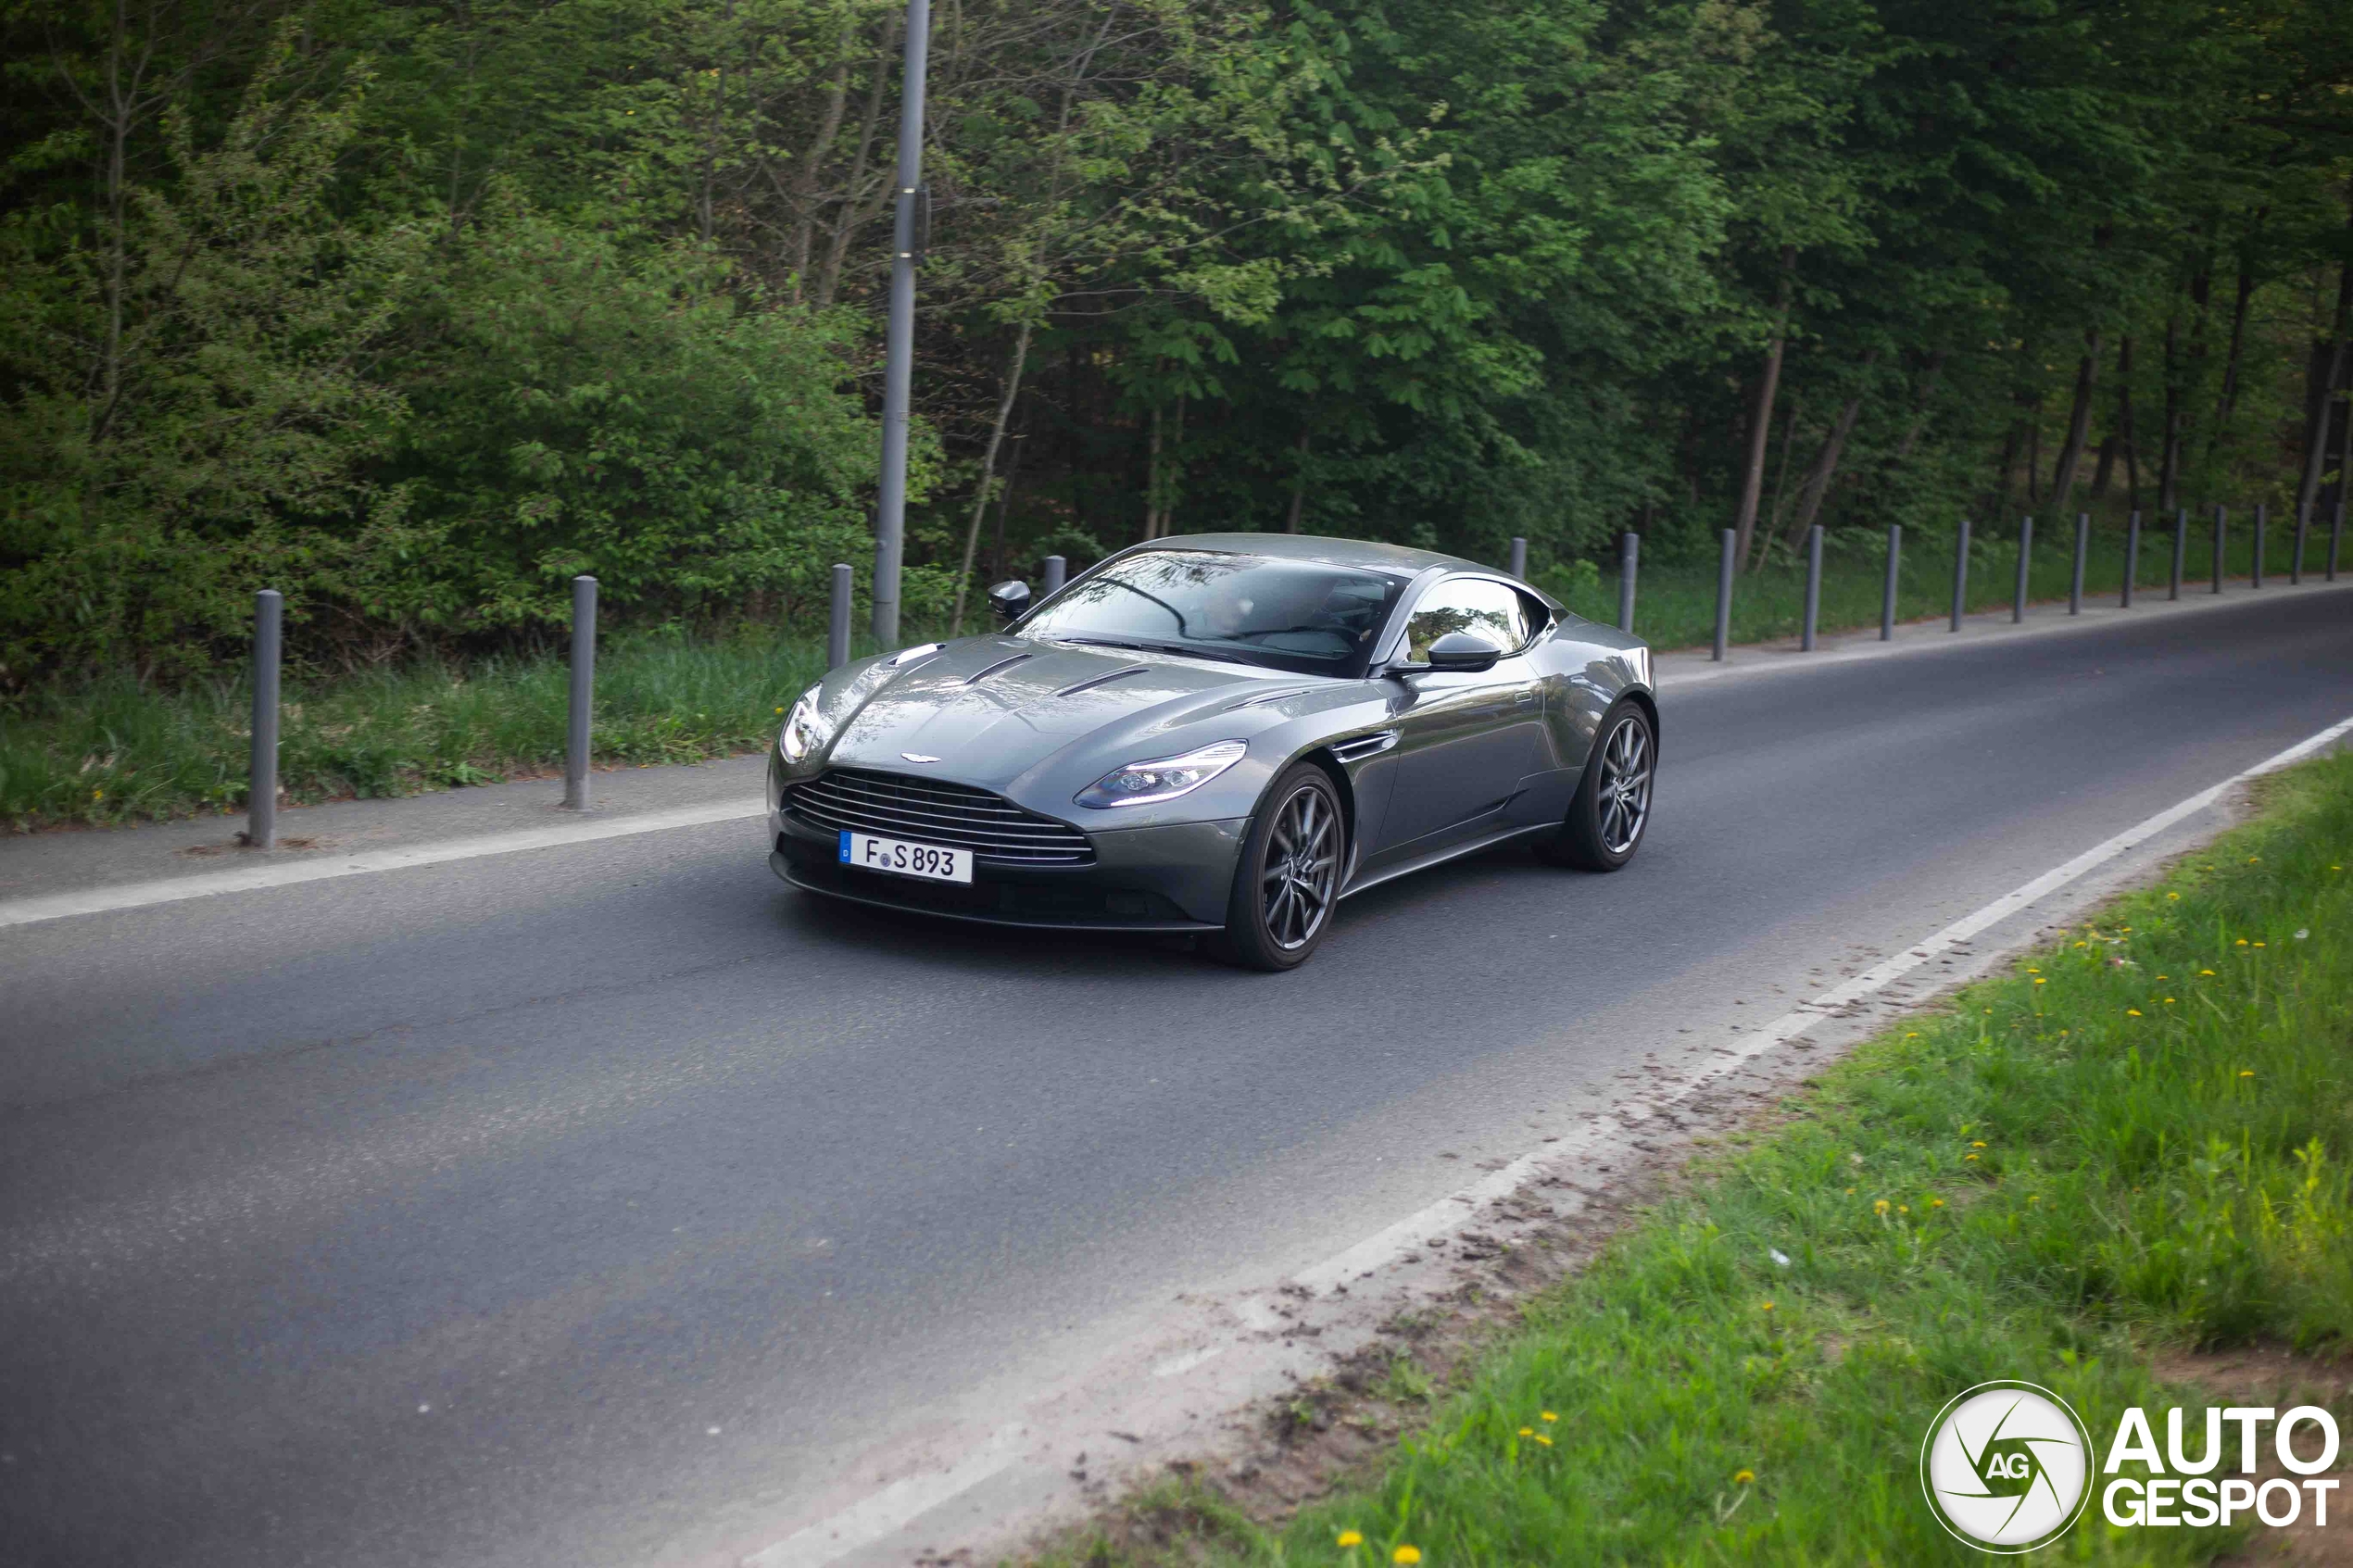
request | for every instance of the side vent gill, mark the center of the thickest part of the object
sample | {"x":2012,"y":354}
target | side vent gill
{"x":1357,"y":747}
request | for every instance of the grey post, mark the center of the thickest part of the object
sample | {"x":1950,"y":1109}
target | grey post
{"x":2221,"y":521}
{"x":2181,"y":552}
{"x":2296,"y":552}
{"x":2256,"y":581}
{"x":1057,"y":573}
{"x":2082,"y":543}
{"x":1630,"y":552}
{"x":1519,"y":557}
{"x":2336,"y":526}
{"x":262,"y":791}
{"x":2132,"y":557}
{"x":2025,"y":554}
{"x":1960,"y":576}
{"x":583,"y":692}
{"x":837,"y":621}
{"x":1724,"y":597}
{"x":1812,"y":584}
{"x":898,"y":355}
{"x":1887,"y":594}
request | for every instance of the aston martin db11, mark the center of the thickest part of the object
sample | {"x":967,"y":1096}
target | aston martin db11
{"x":1220,"y":733}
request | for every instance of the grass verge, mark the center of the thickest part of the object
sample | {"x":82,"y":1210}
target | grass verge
{"x":117,"y":751}
{"x":2135,"y":1143}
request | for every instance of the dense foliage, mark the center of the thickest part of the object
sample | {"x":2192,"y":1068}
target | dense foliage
{"x":415,"y":309}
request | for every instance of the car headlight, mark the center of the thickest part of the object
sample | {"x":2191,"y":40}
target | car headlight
{"x":1162,"y":778}
{"x":804,"y":732}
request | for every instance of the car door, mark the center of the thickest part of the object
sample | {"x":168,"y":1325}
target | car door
{"x":1467,"y":741}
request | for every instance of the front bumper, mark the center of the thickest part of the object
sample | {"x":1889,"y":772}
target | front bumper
{"x":1175,"y":878}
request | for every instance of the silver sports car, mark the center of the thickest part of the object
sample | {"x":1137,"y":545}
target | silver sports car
{"x":1222,"y":734}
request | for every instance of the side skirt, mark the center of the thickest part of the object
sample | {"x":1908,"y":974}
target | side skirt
{"x":1450,"y":852}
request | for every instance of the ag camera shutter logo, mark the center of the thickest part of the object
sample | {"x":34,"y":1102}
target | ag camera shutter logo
{"x":2007,"y":1467}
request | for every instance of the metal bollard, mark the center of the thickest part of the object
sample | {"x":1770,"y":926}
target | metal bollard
{"x":1724,"y":597}
{"x":261,"y":789}
{"x":2025,"y":553}
{"x":2132,"y":557}
{"x":1519,"y":557}
{"x":1057,"y":573}
{"x":2181,"y":552}
{"x":2336,"y":529}
{"x":2221,"y":521}
{"x":584,"y":686}
{"x":1887,"y":595}
{"x":837,"y":619}
{"x":1813,"y":585}
{"x":2075,"y":582}
{"x":2256,"y":580}
{"x":1960,"y":576}
{"x":1630,"y":550}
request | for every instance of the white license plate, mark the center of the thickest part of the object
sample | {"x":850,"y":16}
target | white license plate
{"x":934,"y":862}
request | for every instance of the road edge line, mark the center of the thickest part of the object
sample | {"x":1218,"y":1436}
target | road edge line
{"x":286,"y":874}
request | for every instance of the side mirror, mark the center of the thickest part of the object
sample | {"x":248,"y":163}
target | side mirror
{"x":1009,"y":599}
{"x":1465,"y":651}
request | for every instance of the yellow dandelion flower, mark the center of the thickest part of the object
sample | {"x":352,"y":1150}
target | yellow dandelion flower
{"x":1541,"y":1439}
{"x":2252,"y":858}
{"x":2039,"y":981}
{"x":2246,"y":1073}
{"x":1967,"y":1157}
{"x":1547,"y":1415}
{"x":1352,"y":1537}
{"x":1527,"y":1432}
{"x":1936,"y":1203}
{"x":780,"y":710}
{"x":2033,"y":1198}
{"x":1743,"y":1478}
{"x":1766,"y":1306}
{"x":98,"y":795}
{"x":1880,"y":1206}
{"x":2259,"y":944}
{"x":1849,"y":1192}
{"x":2132,"y":1012}
{"x":2206,"y":972}
{"x":1406,"y":1554}
{"x":2242,"y":941}
{"x":1902,"y":1209}
{"x":2173,"y":896}
{"x":1977,"y":1143}
{"x":2169,"y":1001}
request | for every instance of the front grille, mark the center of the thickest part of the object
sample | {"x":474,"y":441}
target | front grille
{"x":936,"y":811}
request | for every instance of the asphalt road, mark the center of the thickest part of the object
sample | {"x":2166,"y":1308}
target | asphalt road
{"x":585,"y":1206}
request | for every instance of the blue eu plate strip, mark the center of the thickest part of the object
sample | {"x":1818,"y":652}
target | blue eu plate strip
{"x":845,"y":847}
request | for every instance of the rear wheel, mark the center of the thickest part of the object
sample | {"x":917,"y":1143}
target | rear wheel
{"x":1612,"y":809}
{"x":1288,"y":880}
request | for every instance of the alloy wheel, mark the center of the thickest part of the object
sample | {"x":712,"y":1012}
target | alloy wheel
{"x":1303,"y":868}
{"x":1623,"y":791}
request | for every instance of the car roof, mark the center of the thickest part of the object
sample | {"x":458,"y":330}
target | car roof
{"x":1360,"y":552}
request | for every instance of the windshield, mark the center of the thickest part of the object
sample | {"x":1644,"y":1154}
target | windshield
{"x":1290,"y":614}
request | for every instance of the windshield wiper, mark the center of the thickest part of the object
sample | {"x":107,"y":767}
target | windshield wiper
{"x":1146,"y":646}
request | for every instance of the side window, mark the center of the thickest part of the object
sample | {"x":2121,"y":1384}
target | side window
{"x":1490,"y":609}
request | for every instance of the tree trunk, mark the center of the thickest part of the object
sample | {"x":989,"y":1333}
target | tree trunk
{"x":848,"y":215}
{"x":821,"y":147}
{"x":1920,"y":406}
{"x":2035,"y":451}
{"x":1818,"y":479}
{"x":1760,"y":422}
{"x":988,"y":472}
{"x":2130,"y":444}
{"x":1005,"y":504}
{"x":2230,"y":400}
{"x":2328,"y":365}
{"x":1298,"y":483}
{"x":1779,"y":508}
{"x":1151,"y":480}
{"x":2078,"y":424}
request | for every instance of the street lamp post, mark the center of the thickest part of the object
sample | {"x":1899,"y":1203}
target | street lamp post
{"x":906,"y":245}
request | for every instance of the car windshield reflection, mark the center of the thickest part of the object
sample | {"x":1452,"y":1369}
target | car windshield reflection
{"x":1295,"y":615}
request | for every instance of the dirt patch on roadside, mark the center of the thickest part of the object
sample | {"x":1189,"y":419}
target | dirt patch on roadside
{"x":2280,"y":1378}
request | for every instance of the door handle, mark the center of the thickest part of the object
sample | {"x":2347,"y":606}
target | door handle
{"x":1525,"y":699}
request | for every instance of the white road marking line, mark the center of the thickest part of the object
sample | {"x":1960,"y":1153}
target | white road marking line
{"x":901,"y":1502}
{"x":893,"y":1507}
{"x":286,"y":873}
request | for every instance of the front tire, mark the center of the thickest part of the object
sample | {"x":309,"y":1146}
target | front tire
{"x":1288,"y":880}
{"x":1612,"y":809}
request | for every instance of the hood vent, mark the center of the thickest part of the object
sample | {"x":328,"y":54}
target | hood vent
{"x":1265,"y":697}
{"x":978,"y":676}
{"x":1104,"y":679}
